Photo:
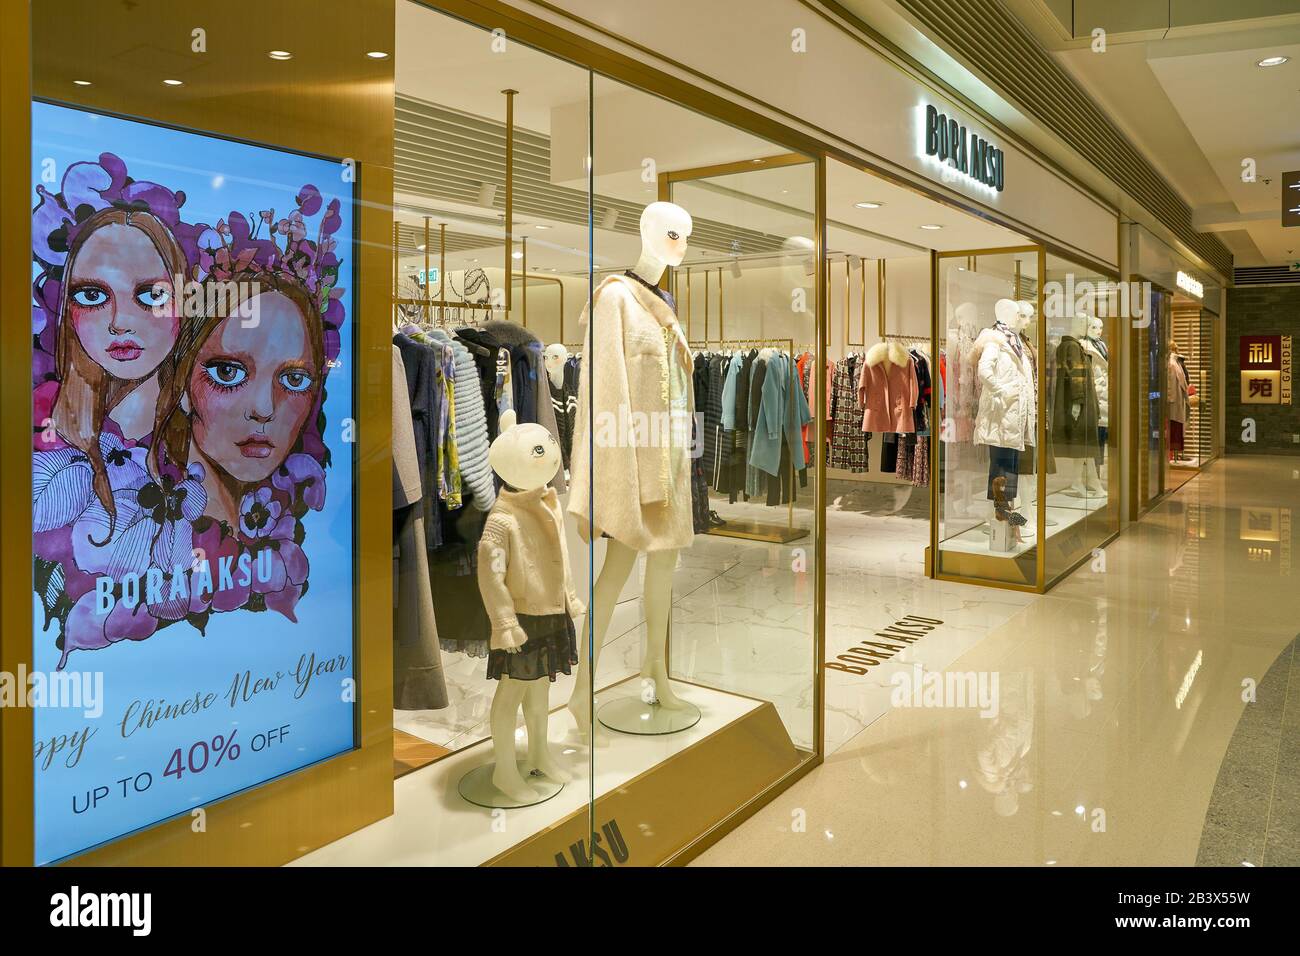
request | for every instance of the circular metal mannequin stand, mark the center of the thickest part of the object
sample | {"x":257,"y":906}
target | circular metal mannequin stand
{"x":476,"y":787}
{"x":632,"y":715}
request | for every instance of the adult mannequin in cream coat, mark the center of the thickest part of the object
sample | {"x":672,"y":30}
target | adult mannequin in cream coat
{"x":665,"y":228}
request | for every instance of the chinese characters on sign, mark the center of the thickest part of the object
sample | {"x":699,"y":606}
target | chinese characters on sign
{"x":1265,"y":369}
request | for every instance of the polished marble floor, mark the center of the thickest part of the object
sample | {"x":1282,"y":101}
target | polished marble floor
{"x":743,"y":617}
{"x":1146,"y":709}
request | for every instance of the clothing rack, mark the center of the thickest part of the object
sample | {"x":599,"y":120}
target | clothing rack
{"x":761,"y":530}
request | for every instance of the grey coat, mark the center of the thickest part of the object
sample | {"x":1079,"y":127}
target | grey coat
{"x":418,"y":681}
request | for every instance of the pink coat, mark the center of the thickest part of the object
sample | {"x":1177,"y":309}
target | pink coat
{"x":888,"y":390}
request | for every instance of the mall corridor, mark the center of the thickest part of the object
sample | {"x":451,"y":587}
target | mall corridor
{"x":1122,"y":738}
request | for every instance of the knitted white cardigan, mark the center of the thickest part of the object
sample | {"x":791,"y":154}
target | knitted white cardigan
{"x":642,"y":496}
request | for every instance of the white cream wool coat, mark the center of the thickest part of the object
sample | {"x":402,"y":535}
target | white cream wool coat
{"x":1008,"y":408}
{"x":635,"y":360}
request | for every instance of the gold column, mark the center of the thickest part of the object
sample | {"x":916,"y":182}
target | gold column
{"x":880,"y":294}
{"x":428,"y":298}
{"x":510,"y":196}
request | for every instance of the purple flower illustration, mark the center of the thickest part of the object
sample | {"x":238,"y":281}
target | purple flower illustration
{"x":289,"y":568}
{"x":258,"y":513}
{"x":302,"y":479}
{"x":88,"y":630}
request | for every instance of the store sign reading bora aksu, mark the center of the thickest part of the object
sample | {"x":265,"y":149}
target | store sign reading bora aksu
{"x":969,"y":153}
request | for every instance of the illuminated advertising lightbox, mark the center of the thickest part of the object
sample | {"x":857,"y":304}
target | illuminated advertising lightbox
{"x":192,"y":470}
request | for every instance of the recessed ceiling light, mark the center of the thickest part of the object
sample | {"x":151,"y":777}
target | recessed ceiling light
{"x":540,"y":226}
{"x":377,"y":55}
{"x":516,"y":255}
{"x":174,"y":82}
{"x":81,"y":82}
{"x":279,"y":54}
{"x":1273,"y":61}
{"x":868,"y":205}
{"x":930,"y":225}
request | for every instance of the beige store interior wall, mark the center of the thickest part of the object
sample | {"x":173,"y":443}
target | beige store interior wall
{"x":787,"y":60}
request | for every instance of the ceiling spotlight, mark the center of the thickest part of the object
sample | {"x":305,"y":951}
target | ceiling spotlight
{"x":735,"y":268}
{"x":868,"y":205}
{"x":81,"y":82}
{"x":174,"y":82}
{"x":420,"y":248}
{"x":516,"y":255}
{"x":931,"y":225}
{"x":1273,"y":61}
{"x":279,"y":54}
{"x":609,"y":219}
{"x":487,"y":193}
{"x":377,"y":55}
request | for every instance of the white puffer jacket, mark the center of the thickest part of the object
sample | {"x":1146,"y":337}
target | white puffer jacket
{"x":1008,"y":407}
{"x":1100,"y":381}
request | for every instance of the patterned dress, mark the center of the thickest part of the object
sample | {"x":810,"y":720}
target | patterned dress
{"x":848,"y":443}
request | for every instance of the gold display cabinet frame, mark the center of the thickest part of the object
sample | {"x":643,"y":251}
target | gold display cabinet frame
{"x":990,"y":570}
{"x":1139,"y":501}
{"x":330,"y":100}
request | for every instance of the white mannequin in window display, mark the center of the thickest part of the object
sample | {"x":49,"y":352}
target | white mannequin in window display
{"x":1094,"y":343}
{"x":1178,"y":389}
{"x":637,"y":367}
{"x":554,"y":358}
{"x":527,"y":588}
{"x":1075,"y":410}
{"x":1007,"y":417}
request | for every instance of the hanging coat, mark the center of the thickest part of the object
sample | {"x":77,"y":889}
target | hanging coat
{"x":888,"y":390}
{"x":1074,"y":406}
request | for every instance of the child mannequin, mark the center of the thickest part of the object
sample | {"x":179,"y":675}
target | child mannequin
{"x":527,"y":588}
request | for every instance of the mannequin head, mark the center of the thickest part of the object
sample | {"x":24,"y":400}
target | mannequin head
{"x":665,"y":227}
{"x":1095,"y":328}
{"x":1026,"y":310}
{"x":1009,"y":314}
{"x":526,"y":456}
{"x":554,"y":358}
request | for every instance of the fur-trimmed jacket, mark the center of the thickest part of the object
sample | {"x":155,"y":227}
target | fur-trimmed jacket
{"x":1008,"y":403}
{"x":888,"y":389}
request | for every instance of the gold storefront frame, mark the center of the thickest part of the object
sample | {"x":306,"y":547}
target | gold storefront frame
{"x":601,"y":60}
{"x":287,"y":816}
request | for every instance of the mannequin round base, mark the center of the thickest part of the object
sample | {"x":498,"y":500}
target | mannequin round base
{"x":631,"y":715}
{"x":476,"y":787}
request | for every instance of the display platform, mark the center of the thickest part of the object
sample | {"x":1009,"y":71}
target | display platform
{"x":432,"y":825}
{"x":1062,"y":508}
